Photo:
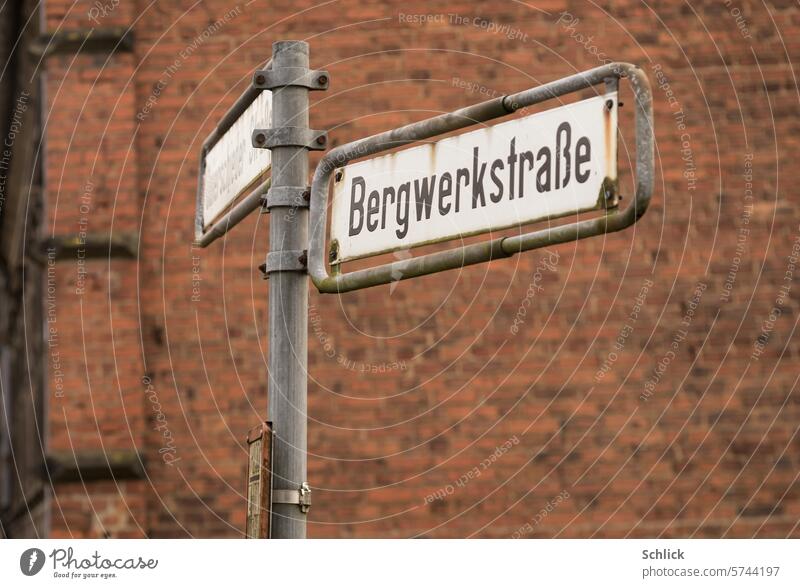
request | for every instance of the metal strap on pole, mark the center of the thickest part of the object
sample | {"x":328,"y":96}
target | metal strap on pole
{"x":290,"y":138}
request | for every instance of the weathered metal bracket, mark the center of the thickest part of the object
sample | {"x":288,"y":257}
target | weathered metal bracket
{"x":290,"y":137}
{"x":287,"y":196}
{"x":289,"y":260}
{"x":280,"y":77}
{"x":95,"y":465}
{"x":94,"y":41}
{"x":300,"y":496}
{"x":614,"y":219}
{"x":93,"y":246}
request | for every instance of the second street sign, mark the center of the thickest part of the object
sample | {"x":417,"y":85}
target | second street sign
{"x":543,"y":166}
{"x":231,"y":167}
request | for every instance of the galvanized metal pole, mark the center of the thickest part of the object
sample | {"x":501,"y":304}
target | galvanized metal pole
{"x":288,"y":298}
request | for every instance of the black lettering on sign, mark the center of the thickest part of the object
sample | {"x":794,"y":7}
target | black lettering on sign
{"x":547,"y":164}
{"x":583,"y":153}
{"x":543,"y":175}
{"x":423,"y":192}
{"x":357,"y":205}
{"x":512,"y":163}
{"x":387,"y":191}
{"x":477,"y":180}
{"x":566,"y":131}
{"x":373,"y":208}
{"x":461,"y":174}
{"x":445,"y":190}
{"x":498,"y":195}
{"x":524,"y":157}
{"x":402,"y":209}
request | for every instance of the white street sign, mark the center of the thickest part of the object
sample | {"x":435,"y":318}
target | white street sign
{"x":233,"y":166}
{"x":543,"y":166}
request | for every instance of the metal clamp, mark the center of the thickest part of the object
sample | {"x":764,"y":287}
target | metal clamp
{"x":280,"y":77}
{"x":289,"y":260}
{"x":290,"y":137}
{"x":286,"y":196}
{"x":300,"y":496}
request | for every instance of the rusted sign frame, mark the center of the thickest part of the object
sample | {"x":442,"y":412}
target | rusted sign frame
{"x":258,"y":523}
{"x":614,"y":220}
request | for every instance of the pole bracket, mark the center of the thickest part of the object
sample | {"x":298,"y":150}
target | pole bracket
{"x":288,"y":260}
{"x":287,"y":197}
{"x":300,"y":496}
{"x":281,"y":77}
{"x":290,"y":137}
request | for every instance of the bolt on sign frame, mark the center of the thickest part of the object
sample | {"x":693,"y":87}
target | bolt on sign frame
{"x":614,"y":219}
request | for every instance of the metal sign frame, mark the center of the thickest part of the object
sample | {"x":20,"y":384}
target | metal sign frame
{"x":614,"y":220}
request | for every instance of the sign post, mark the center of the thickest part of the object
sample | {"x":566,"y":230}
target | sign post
{"x":289,"y":139}
{"x":557,"y":163}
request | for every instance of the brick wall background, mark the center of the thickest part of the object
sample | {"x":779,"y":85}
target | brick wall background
{"x":686,"y":427}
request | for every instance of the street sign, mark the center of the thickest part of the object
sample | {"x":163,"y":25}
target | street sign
{"x":546,"y":165}
{"x":232,"y":166}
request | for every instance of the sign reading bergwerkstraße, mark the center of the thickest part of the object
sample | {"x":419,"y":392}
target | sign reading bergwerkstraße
{"x":232,"y":165}
{"x":542,"y":166}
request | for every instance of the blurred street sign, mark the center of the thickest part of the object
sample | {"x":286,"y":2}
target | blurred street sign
{"x":546,"y":165}
{"x":230,"y":166}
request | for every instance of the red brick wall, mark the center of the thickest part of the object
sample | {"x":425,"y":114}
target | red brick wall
{"x":594,"y":440}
